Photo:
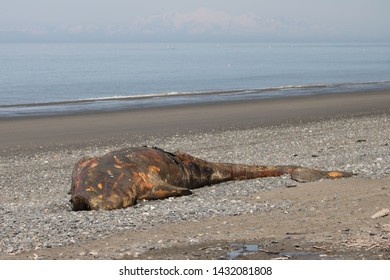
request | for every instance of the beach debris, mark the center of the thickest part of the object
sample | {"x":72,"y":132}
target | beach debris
{"x":366,"y":243}
{"x":121,"y":178}
{"x":282,"y":258}
{"x":291,"y":185}
{"x":382,"y":213}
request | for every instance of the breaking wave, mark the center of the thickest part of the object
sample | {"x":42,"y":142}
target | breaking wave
{"x":179,"y":97}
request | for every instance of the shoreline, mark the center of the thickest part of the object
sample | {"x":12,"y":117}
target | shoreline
{"x":97,"y":127}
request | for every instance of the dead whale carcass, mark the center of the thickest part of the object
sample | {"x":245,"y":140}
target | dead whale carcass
{"x":120,"y":178}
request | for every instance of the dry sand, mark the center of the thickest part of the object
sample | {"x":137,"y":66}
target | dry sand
{"x":330,"y":219}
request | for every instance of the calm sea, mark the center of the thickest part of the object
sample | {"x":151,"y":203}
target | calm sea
{"x":46,"y":79}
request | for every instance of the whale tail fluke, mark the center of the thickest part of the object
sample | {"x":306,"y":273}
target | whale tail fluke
{"x":302,"y":174}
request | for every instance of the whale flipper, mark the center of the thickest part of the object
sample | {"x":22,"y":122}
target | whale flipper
{"x":165,"y":191}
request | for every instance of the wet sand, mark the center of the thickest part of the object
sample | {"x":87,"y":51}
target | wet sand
{"x":86,"y":129}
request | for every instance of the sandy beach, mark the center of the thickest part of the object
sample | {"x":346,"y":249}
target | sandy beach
{"x":272,"y":218}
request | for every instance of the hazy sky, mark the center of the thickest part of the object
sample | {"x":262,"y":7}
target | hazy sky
{"x":178,"y":20}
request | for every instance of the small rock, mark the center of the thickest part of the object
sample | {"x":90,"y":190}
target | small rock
{"x":83,"y":253}
{"x":384,"y":212}
{"x":386,"y":227}
{"x":94,"y":253}
{"x":10,"y":250}
{"x":291,"y":186}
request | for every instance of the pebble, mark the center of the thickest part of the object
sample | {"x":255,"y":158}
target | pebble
{"x":386,"y":227}
{"x":35,"y":210}
{"x":382,"y":213}
{"x":94,"y":253}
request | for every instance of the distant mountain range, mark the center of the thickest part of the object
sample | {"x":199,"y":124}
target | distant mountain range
{"x":199,"y":25}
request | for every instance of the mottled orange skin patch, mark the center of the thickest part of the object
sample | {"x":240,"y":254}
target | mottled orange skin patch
{"x":121,"y":164}
{"x":154,"y":169}
{"x":142,"y":180}
{"x":335,"y":174}
{"x":90,"y":189}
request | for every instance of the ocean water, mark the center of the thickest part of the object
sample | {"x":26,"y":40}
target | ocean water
{"x":49,"y":79}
